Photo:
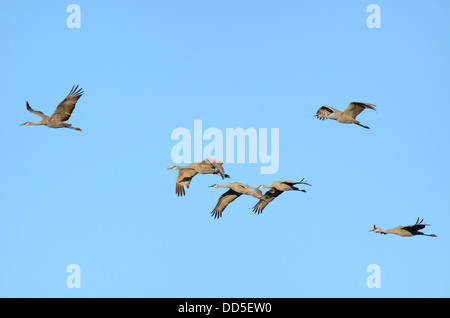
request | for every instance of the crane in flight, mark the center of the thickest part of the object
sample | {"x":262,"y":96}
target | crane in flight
{"x":348,"y":116}
{"x":61,"y":113}
{"x":276,"y":188}
{"x":236,"y":189}
{"x":409,"y":230}
{"x":185,"y":173}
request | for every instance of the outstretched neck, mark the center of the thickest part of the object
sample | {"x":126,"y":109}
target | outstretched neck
{"x":384,"y":231}
{"x":36,"y":124}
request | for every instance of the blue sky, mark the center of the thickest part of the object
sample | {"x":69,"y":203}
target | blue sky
{"x":103,"y":198}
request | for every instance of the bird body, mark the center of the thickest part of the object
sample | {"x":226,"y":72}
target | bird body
{"x":405,"y":231}
{"x":61,"y":114}
{"x":276,"y":188}
{"x":348,"y":116}
{"x":236,"y":189}
{"x":186,"y":173}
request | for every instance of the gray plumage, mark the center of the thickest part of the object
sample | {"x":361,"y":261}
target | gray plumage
{"x":236,"y":190}
{"x":61,"y":114}
{"x":186,"y":173}
{"x":348,"y":116}
{"x":276,"y":188}
{"x":409,"y":230}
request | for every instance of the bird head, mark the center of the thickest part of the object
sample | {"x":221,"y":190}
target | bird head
{"x":25,"y":124}
{"x":173,"y":168}
{"x":260,"y":186}
{"x":375,"y":229}
{"x":214,"y":186}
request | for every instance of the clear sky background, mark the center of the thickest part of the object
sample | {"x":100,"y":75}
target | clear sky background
{"x":103,"y":198}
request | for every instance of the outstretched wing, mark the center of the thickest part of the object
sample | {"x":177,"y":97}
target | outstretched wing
{"x":291,"y":183}
{"x":268,"y":197}
{"x":415,"y":227}
{"x":183,"y":179}
{"x":355,"y":108}
{"x":218,"y":165}
{"x":223,"y":202}
{"x":66,"y":107}
{"x":36,"y":112}
{"x":256,"y":193}
{"x":324,"y":111}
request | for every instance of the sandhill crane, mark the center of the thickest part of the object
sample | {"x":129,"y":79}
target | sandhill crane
{"x":236,"y":190}
{"x":409,"y":230}
{"x":185,"y":173}
{"x":61,"y":113}
{"x":276,"y":188}
{"x":347,"y":116}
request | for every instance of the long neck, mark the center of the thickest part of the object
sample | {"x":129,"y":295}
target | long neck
{"x":36,"y":124}
{"x":385,"y":231}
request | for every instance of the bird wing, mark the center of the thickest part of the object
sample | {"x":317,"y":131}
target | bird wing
{"x":355,"y":108}
{"x":415,"y":227}
{"x":252,"y":191}
{"x":324,"y":111}
{"x":268,"y":197}
{"x":36,"y":112}
{"x":183,"y":179}
{"x":291,"y":183}
{"x":217,"y":165}
{"x":212,"y":160}
{"x":223,"y":202}
{"x":66,"y":107}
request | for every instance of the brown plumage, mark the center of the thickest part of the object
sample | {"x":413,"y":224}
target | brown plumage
{"x":408,"y":230}
{"x":186,"y":173}
{"x":276,"y":188}
{"x":62,"y":112}
{"x":184,"y":179}
{"x":236,"y":189}
{"x":223,"y":202}
{"x":348,"y":116}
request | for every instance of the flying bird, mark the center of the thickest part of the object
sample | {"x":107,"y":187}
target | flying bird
{"x":185,"y":173}
{"x":347,"y":116}
{"x":236,"y":190}
{"x":409,"y":230}
{"x":276,"y":188}
{"x":61,"y":113}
